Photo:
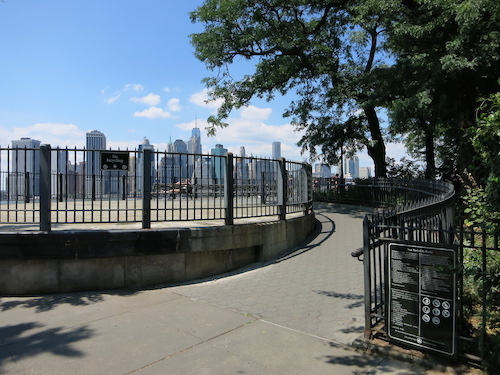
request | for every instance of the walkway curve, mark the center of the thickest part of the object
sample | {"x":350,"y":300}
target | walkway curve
{"x":291,"y":316}
{"x":318,"y":289}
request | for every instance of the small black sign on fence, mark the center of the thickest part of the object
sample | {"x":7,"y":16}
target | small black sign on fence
{"x":422,"y":297}
{"x":114,"y":161}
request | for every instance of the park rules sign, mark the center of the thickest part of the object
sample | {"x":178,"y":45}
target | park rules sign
{"x":422,"y":301}
{"x":114,"y":161}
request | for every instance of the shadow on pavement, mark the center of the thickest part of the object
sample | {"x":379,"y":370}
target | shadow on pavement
{"x":49,"y":302}
{"x":348,"y":296}
{"x":17,"y":344}
{"x":344,"y":209}
{"x":319,"y":236}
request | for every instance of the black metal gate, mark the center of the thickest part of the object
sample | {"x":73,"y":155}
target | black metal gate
{"x":432,"y":225}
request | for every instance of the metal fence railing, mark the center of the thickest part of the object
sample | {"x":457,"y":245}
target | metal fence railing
{"x":48,"y":186}
{"x":420,"y":214}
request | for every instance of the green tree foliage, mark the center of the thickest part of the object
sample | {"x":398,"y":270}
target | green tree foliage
{"x":322,"y":51}
{"x":447,"y":57}
{"x":486,"y":141}
{"x":425,"y":61}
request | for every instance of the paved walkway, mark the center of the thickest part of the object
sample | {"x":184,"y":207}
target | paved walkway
{"x":295,"y":315}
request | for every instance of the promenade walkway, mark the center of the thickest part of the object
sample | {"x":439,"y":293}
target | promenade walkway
{"x":294,"y":315}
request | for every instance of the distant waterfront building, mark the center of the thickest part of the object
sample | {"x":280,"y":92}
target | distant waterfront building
{"x":218,"y":163}
{"x":146,"y":145}
{"x":276,"y":153}
{"x":241,"y":173}
{"x":322,"y":170}
{"x":262,"y":170}
{"x":353,"y":167}
{"x":24,"y":177}
{"x":365,"y":172}
{"x":350,"y":167}
{"x":203,"y":171}
{"x":63,"y":174}
{"x":95,"y":143}
{"x":193,"y":147}
{"x":180,"y":160}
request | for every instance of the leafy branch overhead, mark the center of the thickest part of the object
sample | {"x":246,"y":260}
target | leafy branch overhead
{"x":346,"y":62}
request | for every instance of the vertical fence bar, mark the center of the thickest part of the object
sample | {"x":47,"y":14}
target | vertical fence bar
{"x":282,"y":188}
{"x":309,"y":188}
{"x":367,"y":277}
{"x":229,"y":190}
{"x":146,"y":189}
{"x":45,"y":187}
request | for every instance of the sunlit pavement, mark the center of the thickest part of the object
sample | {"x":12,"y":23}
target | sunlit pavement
{"x":294,"y":315}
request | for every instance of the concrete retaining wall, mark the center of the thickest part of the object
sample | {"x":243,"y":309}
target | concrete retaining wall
{"x":69,"y":261}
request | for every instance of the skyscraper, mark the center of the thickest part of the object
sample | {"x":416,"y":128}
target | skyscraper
{"x":24,"y":177}
{"x":276,"y":150}
{"x":218,"y":151}
{"x":96,"y":141}
{"x":322,"y":170}
{"x":194,"y":148}
{"x":139,"y":162}
{"x":353,"y":166}
{"x":180,"y":160}
{"x":242,"y":166}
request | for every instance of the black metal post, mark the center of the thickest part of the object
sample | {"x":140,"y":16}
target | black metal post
{"x":282,"y":188}
{"x":229,"y":190}
{"x":367,"y":277}
{"x":45,"y":188}
{"x":146,"y":189}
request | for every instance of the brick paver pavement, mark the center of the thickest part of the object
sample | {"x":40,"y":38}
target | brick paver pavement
{"x":318,"y":289}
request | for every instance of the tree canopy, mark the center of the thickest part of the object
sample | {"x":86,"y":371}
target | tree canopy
{"x":425,"y":62}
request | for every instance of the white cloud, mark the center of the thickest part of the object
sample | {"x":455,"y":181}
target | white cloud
{"x":249,"y":128}
{"x":200,"y":99}
{"x":173,"y":105}
{"x":113,"y":98}
{"x":167,"y":89}
{"x":134,"y":87}
{"x":150,"y":99}
{"x":55,"y":134}
{"x":153,"y":113}
{"x":254,"y":113}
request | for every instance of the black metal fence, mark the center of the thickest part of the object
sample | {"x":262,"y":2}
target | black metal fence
{"x":59,"y":186}
{"x":421,"y":214}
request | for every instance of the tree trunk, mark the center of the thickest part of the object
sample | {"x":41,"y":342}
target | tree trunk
{"x":377,"y":148}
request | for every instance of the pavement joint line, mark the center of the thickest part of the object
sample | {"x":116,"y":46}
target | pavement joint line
{"x":191,"y":347}
{"x":336,"y":343}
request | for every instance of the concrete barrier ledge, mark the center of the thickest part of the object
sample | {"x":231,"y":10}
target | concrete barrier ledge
{"x":70,"y":261}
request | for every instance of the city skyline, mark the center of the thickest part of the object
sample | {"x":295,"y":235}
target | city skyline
{"x":128,"y":69}
{"x":96,"y":140}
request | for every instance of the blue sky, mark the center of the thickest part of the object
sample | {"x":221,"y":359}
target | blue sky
{"x":124,"y":67}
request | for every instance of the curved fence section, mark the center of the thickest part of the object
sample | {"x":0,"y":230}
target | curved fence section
{"x":48,"y":186}
{"x":426,"y":276}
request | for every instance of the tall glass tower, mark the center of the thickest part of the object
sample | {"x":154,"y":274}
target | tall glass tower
{"x":96,"y":141}
{"x":219,"y":150}
{"x":94,"y":187}
{"x":24,"y":177}
{"x":276,"y":150}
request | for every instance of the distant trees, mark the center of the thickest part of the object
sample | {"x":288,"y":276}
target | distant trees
{"x":424,"y":63}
